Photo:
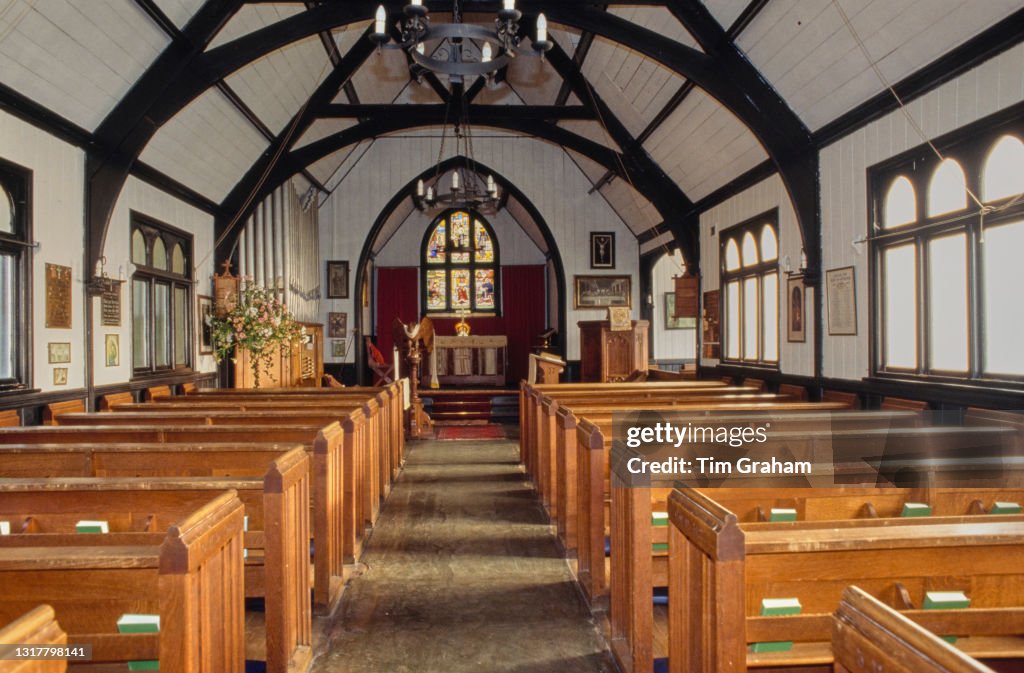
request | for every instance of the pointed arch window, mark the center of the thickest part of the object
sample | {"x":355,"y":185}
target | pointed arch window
{"x":15,"y":276}
{"x":161,"y":297}
{"x":459,"y":268}
{"x":750,"y":278}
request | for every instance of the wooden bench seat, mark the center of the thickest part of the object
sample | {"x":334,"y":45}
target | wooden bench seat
{"x":276,"y":507}
{"x":37,"y":627}
{"x":192,"y":577}
{"x":334,"y":497}
{"x":719,"y":571}
{"x":111,"y":400}
{"x":55,"y":409}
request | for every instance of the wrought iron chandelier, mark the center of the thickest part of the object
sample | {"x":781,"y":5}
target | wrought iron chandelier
{"x":450,"y":53}
{"x":468,"y":189}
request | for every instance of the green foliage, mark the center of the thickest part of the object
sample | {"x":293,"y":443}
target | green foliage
{"x":260,"y":324}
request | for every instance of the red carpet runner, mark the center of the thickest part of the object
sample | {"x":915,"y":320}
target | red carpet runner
{"x":471,"y":432}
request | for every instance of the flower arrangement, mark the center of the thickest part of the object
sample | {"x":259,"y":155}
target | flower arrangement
{"x":260,"y":324}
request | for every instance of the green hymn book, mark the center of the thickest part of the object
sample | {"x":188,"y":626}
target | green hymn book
{"x":1005,"y":508}
{"x":946,"y":600}
{"x":782,"y":514}
{"x":135,"y":623}
{"x":777,"y":607}
{"x":916,"y":509}
{"x":87,"y":526}
{"x":659,"y":518}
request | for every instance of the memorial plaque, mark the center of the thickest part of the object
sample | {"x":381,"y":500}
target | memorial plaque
{"x":110,"y":305}
{"x":58,"y":296}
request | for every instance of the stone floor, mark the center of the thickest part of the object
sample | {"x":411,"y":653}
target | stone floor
{"x":462,"y":575}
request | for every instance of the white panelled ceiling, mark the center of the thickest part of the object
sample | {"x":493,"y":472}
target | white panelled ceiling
{"x":277,"y":85}
{"x":179,"y":11}
{"x":80,"y":58}
{"x":253,"y":17}
{"x":77,"y":59}
{"x":208,"y":146}
{"x":812,"y":58}
{"x":703,"y":146}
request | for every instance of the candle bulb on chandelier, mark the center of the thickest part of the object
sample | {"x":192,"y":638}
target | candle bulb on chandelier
{"x":486,"y":53}
{"x":380,"y":21}
{"x":542,"y":28}
{"x":420,"y":49}
{"x":510,"y":4}
{"x":417,"y":3}
{"x":430,"y":193}
{"x":419,"y":188}
{"x":455,"y":182}
{"x":491,"y":187}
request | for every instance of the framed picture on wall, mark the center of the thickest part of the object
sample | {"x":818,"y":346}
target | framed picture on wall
{"x":112,"y":350}
{"x":337,"y":280}
{"x":602,"y":250}
{"x":337,"y":325}
{"x":672,"y":322}
{"x":58,"y":352}
{"x":602,"y":291}
{"x":338,"y":347}
{"x":205,"y":328}
{"x":60,"y":376}
{"x":796,"y":302}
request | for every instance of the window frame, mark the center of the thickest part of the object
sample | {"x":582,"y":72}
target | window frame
{"x":969,"y":147}
{"x":17,"y":181}
{"x":152,"y":229}
{"x":754,"y":226}
{"x":449,"y":265}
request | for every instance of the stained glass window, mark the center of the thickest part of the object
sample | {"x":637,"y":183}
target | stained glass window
{"x":460,"y":265}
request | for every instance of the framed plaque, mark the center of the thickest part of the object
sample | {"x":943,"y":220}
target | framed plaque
{"x":337,"y":280}
{"x":205,"y":328}
{"x":110,"y":305}
{"x":842,"y":301}
{"x":58,"y":352}
{"x":712,"y":325}
{"x":58,"y":296}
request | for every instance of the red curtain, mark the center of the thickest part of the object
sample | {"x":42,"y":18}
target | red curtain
{"x":522,"y":294}
{"x":398,"y":296}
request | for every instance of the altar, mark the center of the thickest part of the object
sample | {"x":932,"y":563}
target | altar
{"x":467,"y":360}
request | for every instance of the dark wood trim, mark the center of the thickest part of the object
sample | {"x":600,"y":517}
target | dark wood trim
{"x":985,"y":45}
{"x":36,"y":397}
{"x":534,"y":112}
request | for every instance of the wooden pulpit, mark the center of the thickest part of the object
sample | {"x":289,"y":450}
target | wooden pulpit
{"x":607,"y":355}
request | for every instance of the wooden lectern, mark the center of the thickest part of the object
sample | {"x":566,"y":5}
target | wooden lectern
{"x":607,"y":356}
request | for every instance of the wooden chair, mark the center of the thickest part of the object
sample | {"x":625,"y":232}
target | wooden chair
{"x":383,"y":372}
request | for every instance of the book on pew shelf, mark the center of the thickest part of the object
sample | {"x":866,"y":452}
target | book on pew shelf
{"x":916,"y":509}
{"x":90,"y":526}
{"x":659,"y":546}
{"x":999,"y":507}
{"x":136,"y":623}
{"x":777,"y":607}
{"x":782,"y":514}
{"x":659,"y":518}
{"x":5,"y":527}
{"x":946,"y":600}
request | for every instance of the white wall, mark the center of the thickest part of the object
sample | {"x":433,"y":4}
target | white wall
{"x":794,"y":358}
{"x":58,"y":203}
{"x":675,"y":344}
{"x":143,"y":198}
{"x":992,"y":86}
{"x":543,"y":172}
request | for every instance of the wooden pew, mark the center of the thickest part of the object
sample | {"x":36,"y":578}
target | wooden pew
{"x":156,"y":392}
{"x":325,"y":444}
{"x":903,"y":403}
{"x":850,"y":399}
{"x":868,"y":635}
{"x":366,"y":475}
{"x":55,"y":409}
{"x":9,"y":419}
{"x":36,"y":627}
{"x":111,"y":400}
{"x":796,"y":392}
{"x":719,"y":569}
{"x":276,"y":505}
{"x":192,"y":579}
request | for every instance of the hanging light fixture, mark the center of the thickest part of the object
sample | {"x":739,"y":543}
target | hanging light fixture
{"x":467,"y":188}
{"x":452,"y":56}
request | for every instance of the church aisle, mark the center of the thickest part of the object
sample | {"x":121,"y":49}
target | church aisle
{"x":463,"y":575}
